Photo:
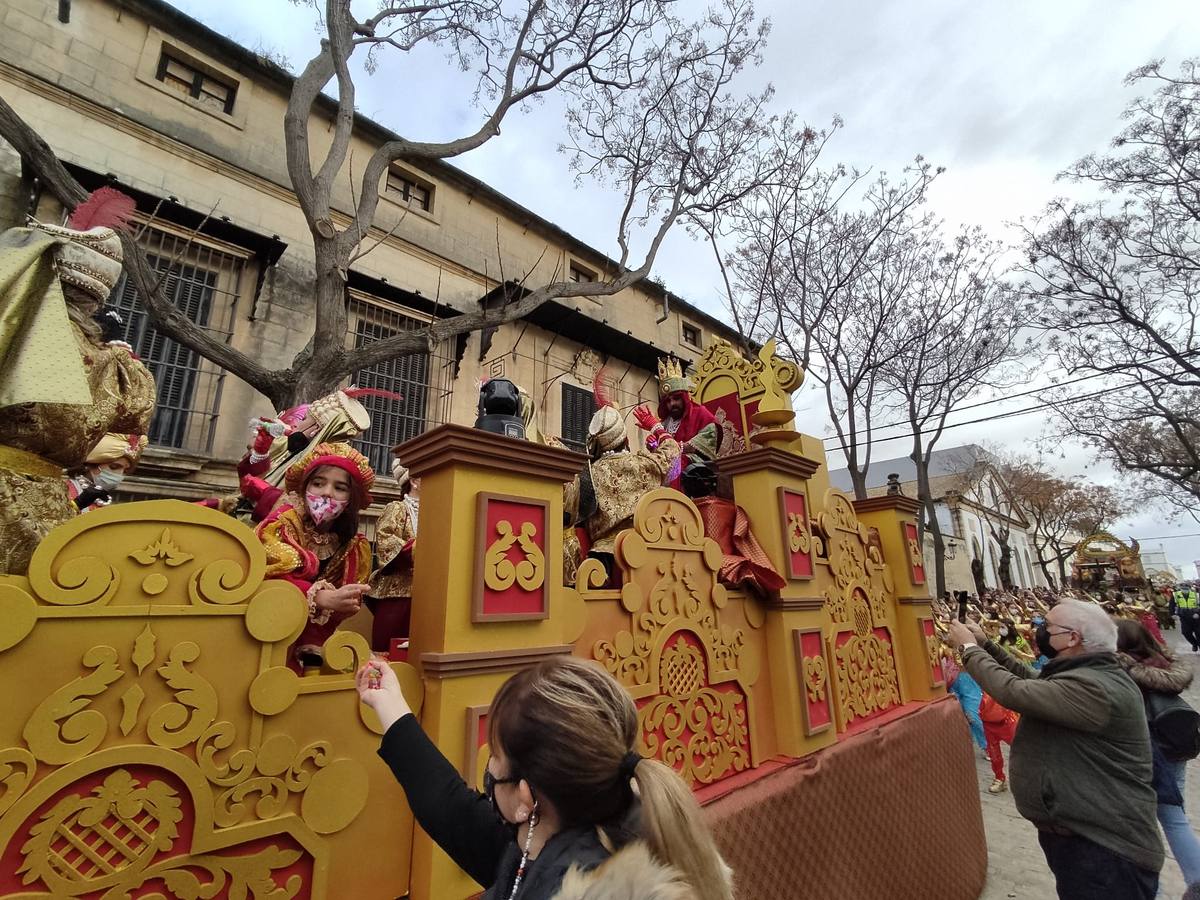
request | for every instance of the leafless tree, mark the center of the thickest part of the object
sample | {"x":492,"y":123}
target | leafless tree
{"x":1061,"y":511}
{"x":1116,"y":284}
{"x":821,"y":258}
{"x":653,"y":114}
{"x":954,"y":331}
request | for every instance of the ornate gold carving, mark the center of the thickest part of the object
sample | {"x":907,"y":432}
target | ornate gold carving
{"x":86,"y":843}
{"x":17,"y":766}
{"x":798,"y":537}
{"x":815,"y":676}
{"x":719,"y":741}
{"x":165,"y":549}
{"x":867,"y":680}
{"x":721,"y":358}
{"x":500,"y":573}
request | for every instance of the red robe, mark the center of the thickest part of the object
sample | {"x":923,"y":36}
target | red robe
{"x":695,"y":418}
{"x":282,"y":534}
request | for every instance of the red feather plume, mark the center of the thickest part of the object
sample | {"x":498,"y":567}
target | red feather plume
{"x":104,"y":207}
{"x":601,"y":389}
{"x":355,"y":393}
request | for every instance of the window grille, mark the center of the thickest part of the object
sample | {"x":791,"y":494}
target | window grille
{"x":422,"y":379}
{"x":578,"y":407}
{"x":202,"y":282}
{"x":691,"y":334}
{"x":176,"y":72}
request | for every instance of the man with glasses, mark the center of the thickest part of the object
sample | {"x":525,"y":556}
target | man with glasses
{"x":1080,"y":759}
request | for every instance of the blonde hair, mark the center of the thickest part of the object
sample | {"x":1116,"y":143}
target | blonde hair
{"x":566,"y":727}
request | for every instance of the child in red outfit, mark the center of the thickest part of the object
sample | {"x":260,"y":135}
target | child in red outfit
{"x":999,"y":726}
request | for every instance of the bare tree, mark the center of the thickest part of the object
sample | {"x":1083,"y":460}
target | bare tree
{"x":955,"y":330}
{"x":654,"y":115}
{"x":1061,"y":512}
{"x":821,"y":259}
{"x":1116,"y":283}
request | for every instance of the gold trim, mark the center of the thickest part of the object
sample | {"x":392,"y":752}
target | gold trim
{"x":25,"y":463}
{"x":457,"y":443}
{"x":484,"y":662}
{"x":771,"y":458}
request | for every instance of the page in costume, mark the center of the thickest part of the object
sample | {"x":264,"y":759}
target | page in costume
{"x":56,"y":405}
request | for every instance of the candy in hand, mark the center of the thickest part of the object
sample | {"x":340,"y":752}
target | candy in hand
{"x":374,"y":676}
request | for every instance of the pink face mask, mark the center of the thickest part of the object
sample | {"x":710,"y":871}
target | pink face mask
{"x":323,"y":509}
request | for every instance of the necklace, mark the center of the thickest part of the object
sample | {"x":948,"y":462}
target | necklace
{"x":672,"y":425}
{"x":524,"y":856}
{"x":323,"y":544}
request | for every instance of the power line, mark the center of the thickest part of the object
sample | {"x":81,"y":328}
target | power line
{"x":1004,"y":415}
{"x":1007,"y":397}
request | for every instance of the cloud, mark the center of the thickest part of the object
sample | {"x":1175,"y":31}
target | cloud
{"x":1005,"y":95}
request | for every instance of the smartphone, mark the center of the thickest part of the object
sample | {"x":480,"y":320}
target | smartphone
{"x":962,"y":608}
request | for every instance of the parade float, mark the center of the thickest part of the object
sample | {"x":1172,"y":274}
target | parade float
{"x":1103,"y":561}
{"x":153,"y":743}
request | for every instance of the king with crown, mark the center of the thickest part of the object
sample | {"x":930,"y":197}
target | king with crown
{"x":691,"y":425}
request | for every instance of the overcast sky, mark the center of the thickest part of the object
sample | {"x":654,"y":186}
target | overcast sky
{"x":1003,"y":94}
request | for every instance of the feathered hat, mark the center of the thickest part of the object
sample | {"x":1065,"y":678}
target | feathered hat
{"x":670,"y":377}
{"x":90,"y":256}
{"x":345,"y":457}
{"x":117,"y":446}
{"x":606,"y":431}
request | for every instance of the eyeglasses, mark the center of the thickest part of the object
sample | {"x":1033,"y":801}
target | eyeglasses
{"x":1063,"y":630}
{"x":490,"y":781}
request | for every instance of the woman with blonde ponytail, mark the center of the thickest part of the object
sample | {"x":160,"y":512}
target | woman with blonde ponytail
{"x":570,"y":810}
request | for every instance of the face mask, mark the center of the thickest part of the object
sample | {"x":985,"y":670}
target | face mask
{"x":1043,"y":642}
{"x":108,"y":479}
{"x":1003,"y":632}
{"x":297,"y":442}
{"x":323,"y":509}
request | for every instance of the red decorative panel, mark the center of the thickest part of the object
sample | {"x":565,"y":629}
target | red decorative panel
{"x":797,"y":535}
{"x":912,"y":546}
{"x":131,"y":828}
{"x":929,"y":640}
{"x":510,"y":559}
{"x":812,"y":673}
{"x":733,"y":411}
{"x":699,"y":727}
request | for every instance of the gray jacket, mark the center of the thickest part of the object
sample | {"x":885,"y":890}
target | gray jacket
{"x":1081,"y":755}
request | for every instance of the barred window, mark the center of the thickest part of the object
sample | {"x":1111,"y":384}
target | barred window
{"x":201,"y":281}
{"x":422,"y":379}
{"x":578,"y":406}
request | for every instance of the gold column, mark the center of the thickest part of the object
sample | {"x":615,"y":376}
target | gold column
{"x":895,"y":517}
{"x":487,"y":594}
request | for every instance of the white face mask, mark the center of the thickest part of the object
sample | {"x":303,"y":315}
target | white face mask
{"x":109,"y":479}
{"x":1003,"y":632}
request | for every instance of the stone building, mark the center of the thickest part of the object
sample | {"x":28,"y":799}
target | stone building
{"x":135,"y":94}
{"x":974,"y":510}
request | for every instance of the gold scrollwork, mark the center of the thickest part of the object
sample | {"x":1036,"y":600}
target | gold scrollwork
{"x":798,"y":537}
{"x":719,"y":739}
{"x":867,"y":680}
{"x":86,"y":843}
{"x":500,"y":573}
{"x":17,"y":766}
{"x":63,"y":729}
{"x":239,"y":875}
{"x":815,"y":676}
{"x":182,"y":721}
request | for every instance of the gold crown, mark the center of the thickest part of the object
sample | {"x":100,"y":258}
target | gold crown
{"x":670,"y":376}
